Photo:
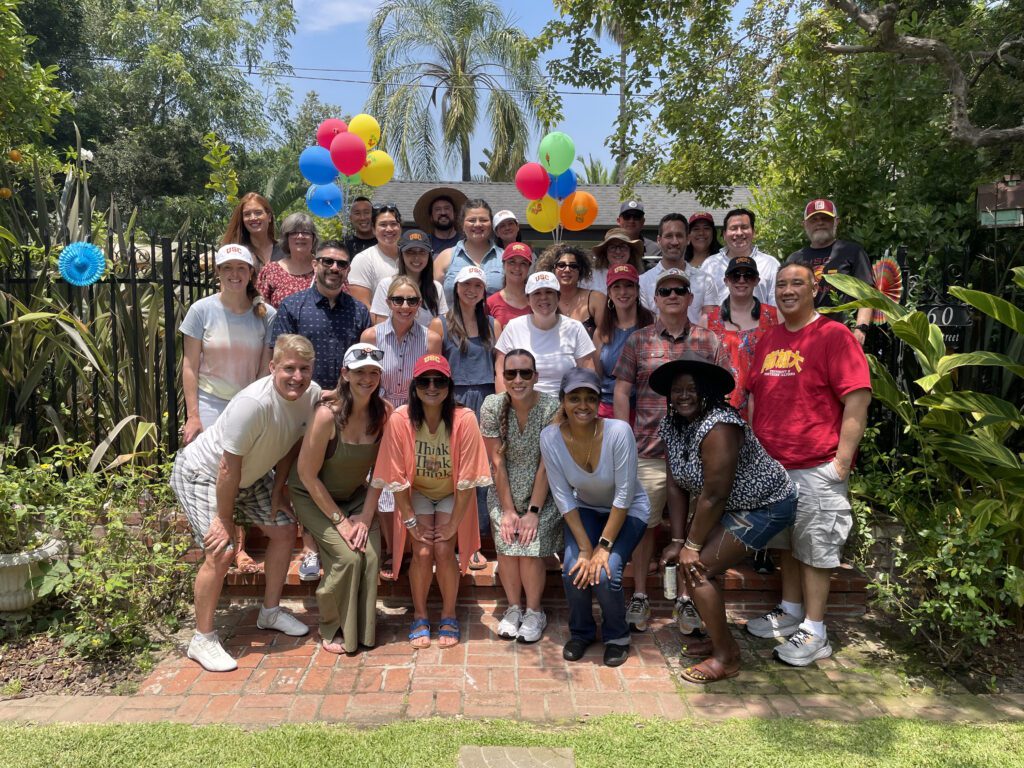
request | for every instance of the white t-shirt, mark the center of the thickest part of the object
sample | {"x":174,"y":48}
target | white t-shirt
{"x":556,"y":350}
{"x":370,"y":267}
{"x":714,"y":290}
{"x":380,"y":306}
{"x":232,"y":344}
{"x":259,"y":425}
{"x":649,"y":281}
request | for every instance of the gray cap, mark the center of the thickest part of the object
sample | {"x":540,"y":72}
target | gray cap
{"x":579,"y":378}
{"x":631,"y":205}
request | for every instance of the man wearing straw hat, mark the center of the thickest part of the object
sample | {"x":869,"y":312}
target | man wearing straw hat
{"x":435,"y":213}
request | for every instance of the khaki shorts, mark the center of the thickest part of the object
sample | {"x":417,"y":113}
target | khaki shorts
{"x":823,"y":518}
{"x":651,"y":474}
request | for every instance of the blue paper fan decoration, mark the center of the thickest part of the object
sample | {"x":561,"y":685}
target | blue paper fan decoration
{"x":82,"y":264}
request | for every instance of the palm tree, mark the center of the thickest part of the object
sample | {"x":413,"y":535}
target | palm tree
{"x":462,"y":57}
{"x":595,"y":172}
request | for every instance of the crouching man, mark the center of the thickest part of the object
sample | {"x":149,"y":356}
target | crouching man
{"x":227,"y":470}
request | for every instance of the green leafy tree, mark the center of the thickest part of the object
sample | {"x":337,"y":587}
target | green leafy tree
{"x":595,"y":172}
{"x":463,"y":58}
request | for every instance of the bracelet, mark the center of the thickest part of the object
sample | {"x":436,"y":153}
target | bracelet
{"x":411,"y":522}
{"x":678,"y":541}
{"x":693,"y":547}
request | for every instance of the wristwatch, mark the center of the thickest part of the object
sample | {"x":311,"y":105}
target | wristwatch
{"x":336,"y":517}
{"x":533,"y":508}
{"x":605,"y":542}
{"x":863,"y":327}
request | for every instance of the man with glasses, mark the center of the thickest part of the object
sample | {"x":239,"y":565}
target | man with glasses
{"x":631,"y":219}
{"x":360,"y":216}
{"x":828,"y":256}
{"x":645,"y":350}
{"x":330,"y":318}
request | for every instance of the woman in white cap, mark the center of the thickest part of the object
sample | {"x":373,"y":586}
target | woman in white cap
{"x":558,"y":343}
{"x":331,"y":498}
{"x":506,"y":229}
{"x":616,"y":248}
{"x":226,"y":337}
{"x":591,"y":464}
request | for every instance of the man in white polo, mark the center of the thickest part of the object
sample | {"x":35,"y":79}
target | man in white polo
{"x":227,"y":470}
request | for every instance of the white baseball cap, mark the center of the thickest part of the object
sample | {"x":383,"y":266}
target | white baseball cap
{"x":540,"y":280}
{"x":471,"y":272}
{"x":233,"y":252}
{"x":361,"y":355}
{"x":502,"y":216}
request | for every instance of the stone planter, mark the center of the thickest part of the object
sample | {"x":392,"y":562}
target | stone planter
{"x":16,"y":571}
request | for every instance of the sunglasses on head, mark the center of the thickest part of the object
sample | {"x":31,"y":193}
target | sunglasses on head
{"x":387,"y":208}
{"x":363,"y":354}
{"x":678,"y":290}
{"x":329,"y":262}
{"x":741,"y":276}
{"x":398,"y":301}
{"x":568,"y":265}
{"x":526,"y":374}
{"x":426,"y":382}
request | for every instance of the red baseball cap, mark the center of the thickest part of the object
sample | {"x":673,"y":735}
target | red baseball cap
{"x":821,"y":205}
{"x":432,"y":362}
{"x":622,"y":272}
{"x":517,"y":251}
{"x":702,"y":216}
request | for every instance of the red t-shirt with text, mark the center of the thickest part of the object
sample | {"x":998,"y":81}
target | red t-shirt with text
{"x":797,"y":380}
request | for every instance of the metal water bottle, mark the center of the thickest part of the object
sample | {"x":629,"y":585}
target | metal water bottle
{"x":669,"y":582}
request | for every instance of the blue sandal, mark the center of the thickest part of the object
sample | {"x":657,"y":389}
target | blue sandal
{"x":420,"y":629}
{"x":449,"y":628}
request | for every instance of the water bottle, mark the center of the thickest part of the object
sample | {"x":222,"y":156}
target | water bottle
{"x":669,"y":582}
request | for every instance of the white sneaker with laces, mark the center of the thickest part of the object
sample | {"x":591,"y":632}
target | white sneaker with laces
{"x":775,"y":623}
{"x":687,"y":618}
{"x":803,"y":649}
{"x":508,"y":628}
{"x":282,"y":621}
{"x":309,"y":568}
{"x":210,"y":654}
{"x":532,"y":627}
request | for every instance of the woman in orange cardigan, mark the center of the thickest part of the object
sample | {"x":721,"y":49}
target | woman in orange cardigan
{"x":432,"y":458}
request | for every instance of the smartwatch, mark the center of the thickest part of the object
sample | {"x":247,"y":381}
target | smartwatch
{"x":605,"y":543}
{"x":533,"y":508}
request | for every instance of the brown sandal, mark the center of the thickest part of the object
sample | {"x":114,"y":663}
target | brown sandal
{"x":698,"y":648}
{"x":708,"y":671}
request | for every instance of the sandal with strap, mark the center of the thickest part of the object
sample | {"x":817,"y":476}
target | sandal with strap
{"x":448,"y":629}
{"x":698,"y":648}
{"x":707,"y":671}
{"x":419,"y":631}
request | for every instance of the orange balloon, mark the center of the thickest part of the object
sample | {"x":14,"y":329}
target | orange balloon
{"x":578,"y":211}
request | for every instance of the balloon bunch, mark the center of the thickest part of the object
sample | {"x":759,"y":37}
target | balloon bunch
{"x":346,"y":149}
{"x":550,"y":185}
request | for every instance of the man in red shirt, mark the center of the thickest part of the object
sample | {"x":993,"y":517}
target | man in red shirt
{"x":810,"y":389}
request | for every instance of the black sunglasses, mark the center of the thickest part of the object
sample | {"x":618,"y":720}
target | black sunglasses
{"x":362,"y":354}
{"x":398,"y":301}
{"x":677,"y":290}
{"x":568,"y":265}
{"x":386,"y":208}
{"x":526,"y":374}
{"x":328,"y":262}
{"x":426,"y":382}
{"x":743,"y":276}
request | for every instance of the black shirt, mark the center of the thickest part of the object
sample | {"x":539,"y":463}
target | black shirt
{"x":355,"y":244}
{"x":841,"y":257}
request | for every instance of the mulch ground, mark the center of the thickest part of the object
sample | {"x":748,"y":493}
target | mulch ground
{"x":40,"y":664}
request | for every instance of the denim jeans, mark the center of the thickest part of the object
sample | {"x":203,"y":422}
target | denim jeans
{"x":611,"y":598}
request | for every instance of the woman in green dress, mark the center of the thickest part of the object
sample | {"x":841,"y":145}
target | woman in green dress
{"x":334,"y":503}
{"x":527,"y":527}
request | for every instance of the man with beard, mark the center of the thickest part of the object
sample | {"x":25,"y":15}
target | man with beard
{"x":331,"y":319}
{"x":435,"y":213}
{"x":828,"y":256}
{"x":360,"y":215}
{"x":672,"y":239}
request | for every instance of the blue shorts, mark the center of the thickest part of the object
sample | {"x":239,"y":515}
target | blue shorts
{"x":756,"y":527}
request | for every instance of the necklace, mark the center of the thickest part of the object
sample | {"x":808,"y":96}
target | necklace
{"x":590,"y":451}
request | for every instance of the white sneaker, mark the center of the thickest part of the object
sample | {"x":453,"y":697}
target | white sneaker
{"x":509,"y":626}
{"x":775,"y":623}
{"x":309,"y":568}
{"x":282,"y":621}
{"x":532,"y":627}
{"x":687,"y":618}
{"x":803,"y":649}
{"x":210,"y":653}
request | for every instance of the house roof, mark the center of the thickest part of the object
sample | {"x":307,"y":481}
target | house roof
{"x":658,"y":200}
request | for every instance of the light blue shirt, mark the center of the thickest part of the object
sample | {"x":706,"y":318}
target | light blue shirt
{"x":491,"y":265}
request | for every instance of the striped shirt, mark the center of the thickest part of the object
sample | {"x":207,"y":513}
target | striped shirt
{"x":400,"y":358}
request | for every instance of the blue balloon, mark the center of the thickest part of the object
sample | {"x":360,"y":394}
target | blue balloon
{"x":562,"y":186}
{"x":315,"y":164}
{"x":325,"y":200}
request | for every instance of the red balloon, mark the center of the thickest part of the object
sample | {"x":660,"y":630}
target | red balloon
{"x":328,"y":129}
{"x":532,"y":181}
{"x":348,"y":153}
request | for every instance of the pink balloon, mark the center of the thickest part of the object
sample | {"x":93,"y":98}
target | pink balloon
{"x":532,"y":181}
{"x":328,"y":129}
{"x":348,"y":153}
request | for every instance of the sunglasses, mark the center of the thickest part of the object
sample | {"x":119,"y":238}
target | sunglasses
{"x":363,"y":354}
{"x":632,"y":216}
{"x":526,"y":374}
{"x":399,"y":301}
{"x":426,"y":382}
{"x":677,"y":290}
{"x":386,"y":208}
{"x":740,"y":277}
{"x":328,"y":262}
{"x":568,"y":265}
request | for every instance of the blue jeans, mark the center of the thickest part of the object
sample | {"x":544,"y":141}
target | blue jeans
{"x":611,"y":598}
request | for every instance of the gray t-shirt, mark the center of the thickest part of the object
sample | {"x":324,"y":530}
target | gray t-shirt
{"x":259,"y":425}
{"x":613,"y":483}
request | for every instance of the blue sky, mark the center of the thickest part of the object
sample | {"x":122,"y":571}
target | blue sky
{"x":332,"y":34}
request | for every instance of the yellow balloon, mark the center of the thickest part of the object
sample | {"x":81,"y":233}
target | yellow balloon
{"x":542,"y":214}
{"x":366,"y":128}
{"x":379,"y":168}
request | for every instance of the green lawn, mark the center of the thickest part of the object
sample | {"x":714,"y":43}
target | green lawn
{"x":613,"y":741}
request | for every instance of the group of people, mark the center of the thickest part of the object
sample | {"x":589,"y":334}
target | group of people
{"x":444,"y":384}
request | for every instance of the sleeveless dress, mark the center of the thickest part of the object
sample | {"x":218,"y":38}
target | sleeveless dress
{"x":472,"y":371}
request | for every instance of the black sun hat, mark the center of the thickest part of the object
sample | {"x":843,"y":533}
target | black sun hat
{"x":697,"y":366}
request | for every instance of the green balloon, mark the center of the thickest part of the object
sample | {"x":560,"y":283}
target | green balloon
{"x":557,"y":152}
{"x":355,"y":178}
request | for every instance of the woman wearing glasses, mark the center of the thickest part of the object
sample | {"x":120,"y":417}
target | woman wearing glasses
{"x":477,"y":250}
{"x":572,"y":267}
{"x":332,"y":501}
{"x":379,"y":262}
{"x":416,"y":261}
{"x":525,"y":524}
{"x":252,"y":225}
{"x":616,"y":248}
{"x":294,"y":272}
{"x":740,"y":323}
{"x":433,"y":459}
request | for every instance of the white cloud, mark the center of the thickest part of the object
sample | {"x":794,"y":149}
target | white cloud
{"x":325,"y":15}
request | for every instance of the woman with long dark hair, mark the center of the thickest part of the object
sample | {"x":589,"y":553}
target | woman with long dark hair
{"x":433,"y":459}
{"x":511,"y":301}
{"x":625,"y":315}
{"x":332,"y":501}
{"x":252,"y":225}
{"x":506,"y":229}
{"x":703,"y":239}
{"x":416,"y":261}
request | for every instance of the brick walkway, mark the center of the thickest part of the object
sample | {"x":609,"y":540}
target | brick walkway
{"x":283,"y":679}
